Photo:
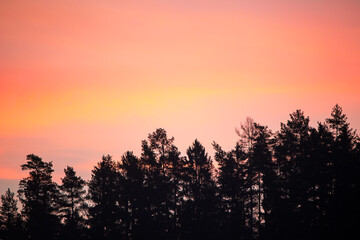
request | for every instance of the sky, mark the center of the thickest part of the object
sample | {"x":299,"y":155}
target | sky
{"x":80,"y":79}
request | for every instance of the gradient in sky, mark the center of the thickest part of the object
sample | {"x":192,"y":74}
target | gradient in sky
{"x":79,"y":79}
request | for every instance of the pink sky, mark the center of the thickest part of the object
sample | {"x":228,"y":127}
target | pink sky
{"x":79,"y":79}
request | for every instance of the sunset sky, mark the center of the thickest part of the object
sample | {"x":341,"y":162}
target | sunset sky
{"x":79,"y":79}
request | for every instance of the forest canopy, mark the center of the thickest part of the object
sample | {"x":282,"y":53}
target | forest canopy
{"x":298,"y":183}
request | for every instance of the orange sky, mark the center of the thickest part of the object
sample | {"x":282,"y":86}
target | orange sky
{"x":79,"y":79}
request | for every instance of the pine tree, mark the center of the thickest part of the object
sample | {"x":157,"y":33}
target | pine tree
{"x":105,"y":213}
{"x":161,"y":161}
{"x":321,"y":191}
{"x":232,"y":193}
{"x":345,"y":208}
{"x":292,"y":151}
{"x":247,"y":134}
{"x":39,"y":197}
{"x":133,"y":194}
{"x":265,"y":177}
{"x":10,"y":219}
{"x":201,"y":196}
{"x":337,"y":120}
{"x":73,"y":208}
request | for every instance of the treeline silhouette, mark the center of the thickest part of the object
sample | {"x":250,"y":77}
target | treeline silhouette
{"x":295,"y":184}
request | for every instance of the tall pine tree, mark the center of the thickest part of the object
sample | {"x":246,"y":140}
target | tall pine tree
{"x":199,"y":208}
{"x":105,"y":213}
{"x":10,"y":219}
{"x":73,"y":208}
{"x":345,"y":208}
{"x":39,"y":196}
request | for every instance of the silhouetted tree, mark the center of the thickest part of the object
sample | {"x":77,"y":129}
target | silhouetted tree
{"x":10,"y":219}
{"x":160,"y":158}
{"x":200,"y":199}
{"x":321,"y":175}
{"x":292,"y":153}
{"x":258,"y":176}
{"x":337,"y":120}
{"x":105,"y":213}
{"x":346,"y":207}
{"x":232,"y":193}
{"x":262,"y":164}
{"x":133,"y":194}
{"x":73,"y":208}
{"x":247,"y":134}
{"x":39,"y":196}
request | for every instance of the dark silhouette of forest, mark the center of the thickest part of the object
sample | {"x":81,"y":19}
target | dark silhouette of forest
{"x":297,"y":183}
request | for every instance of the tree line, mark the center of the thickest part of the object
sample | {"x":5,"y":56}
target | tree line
{"x":298,"y":183}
